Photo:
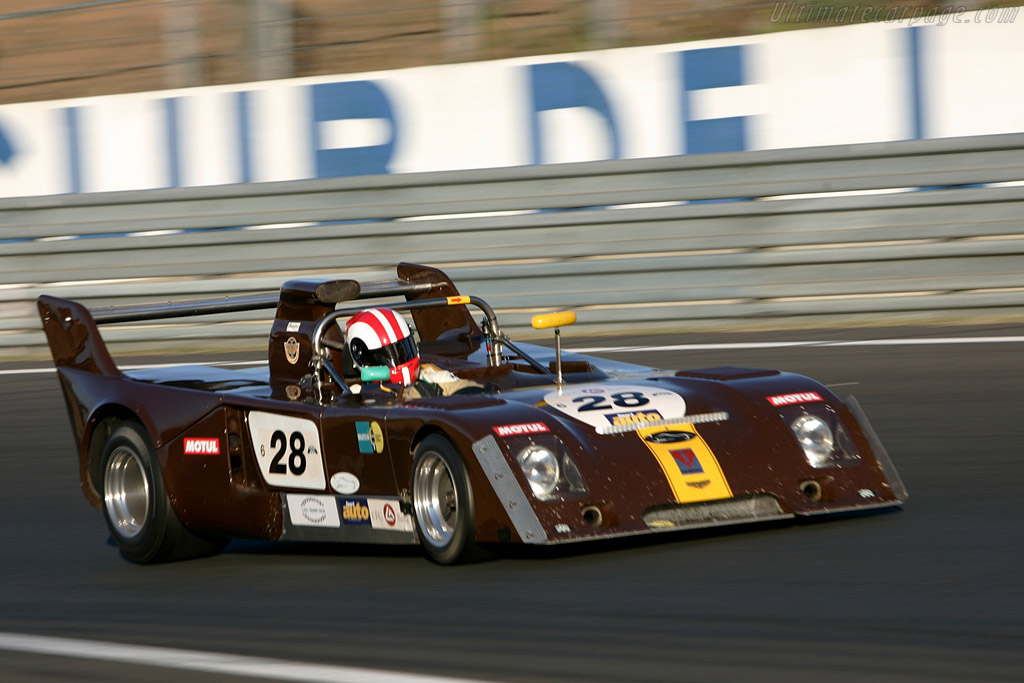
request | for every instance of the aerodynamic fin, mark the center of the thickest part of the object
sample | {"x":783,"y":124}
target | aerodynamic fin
{"x":74,"y":338}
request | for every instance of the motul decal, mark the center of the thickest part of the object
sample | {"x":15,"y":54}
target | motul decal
{"x":527,"y":428}
{"x":202,"y":446}
{"x":790,"y":399}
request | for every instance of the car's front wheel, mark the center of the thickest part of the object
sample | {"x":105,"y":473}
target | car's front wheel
{"x":135,"y":504}
{"x":443,"y":502}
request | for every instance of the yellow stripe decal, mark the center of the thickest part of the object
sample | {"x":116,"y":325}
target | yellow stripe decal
{"x":691,"y":468}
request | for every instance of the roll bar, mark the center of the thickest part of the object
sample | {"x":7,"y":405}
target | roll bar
{"x":497,"y":338}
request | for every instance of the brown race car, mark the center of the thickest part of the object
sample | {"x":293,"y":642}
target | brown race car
{"x":531,"y":447}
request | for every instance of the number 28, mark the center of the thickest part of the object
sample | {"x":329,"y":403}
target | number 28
{"x":296,"y":458}
{"x":624,"y":399}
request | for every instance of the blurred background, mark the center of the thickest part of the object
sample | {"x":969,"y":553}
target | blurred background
{"x":771,"y":164}
{"x":55,"y":49}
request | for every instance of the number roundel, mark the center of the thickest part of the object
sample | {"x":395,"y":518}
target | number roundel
{"x":288,"y":451}
{"x":601,"y":405}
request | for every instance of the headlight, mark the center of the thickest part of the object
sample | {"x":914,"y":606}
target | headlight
{"x":541,"y":469}
{"x":815,"y":437}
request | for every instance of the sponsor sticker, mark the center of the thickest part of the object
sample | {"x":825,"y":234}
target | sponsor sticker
{"x":370,"y":437}
{"x":344,"y":483}
{"x":633,"y":417}
{"x":687,"y":462}
{"x":355,"y":511}
{"x":690,"y":467}
{"x":385,"y":514}
{"x":294,"y":327}
{"x":202,"y":446}
{"x":307,"y":510}
{"x":792,"y":399}
{"x":519,"y":429}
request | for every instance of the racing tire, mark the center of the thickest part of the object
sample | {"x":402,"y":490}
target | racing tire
{"x":442,"y":500}
{"x":135,"y":503}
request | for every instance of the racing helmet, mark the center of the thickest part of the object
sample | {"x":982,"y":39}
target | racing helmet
{"x":381,"y":337}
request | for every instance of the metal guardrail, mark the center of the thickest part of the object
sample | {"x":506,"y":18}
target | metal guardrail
{"x":853,"y":233}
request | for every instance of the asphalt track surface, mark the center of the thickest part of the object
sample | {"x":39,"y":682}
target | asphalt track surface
{"x":933,"y":592}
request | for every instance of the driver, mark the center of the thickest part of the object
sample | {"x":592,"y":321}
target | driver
{"x":381,"y":337}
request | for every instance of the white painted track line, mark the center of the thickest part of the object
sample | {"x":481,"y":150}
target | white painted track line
{"x":790,"y":344}
{"x":209,"y":662}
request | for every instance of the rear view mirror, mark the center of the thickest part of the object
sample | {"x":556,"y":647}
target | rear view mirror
{"x":546,"y":321}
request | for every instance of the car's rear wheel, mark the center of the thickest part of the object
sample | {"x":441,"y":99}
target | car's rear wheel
{"x":135,"y":504}
{"x":443,"y":502}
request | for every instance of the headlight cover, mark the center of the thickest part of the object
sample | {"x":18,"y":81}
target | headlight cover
{"x":815,"y":437}
{"x":549,"y":469}
{"x":541,"y":469}
{"x":821,"y":435}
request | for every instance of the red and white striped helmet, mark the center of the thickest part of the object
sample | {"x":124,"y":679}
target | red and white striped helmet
{"x":381,"y":337}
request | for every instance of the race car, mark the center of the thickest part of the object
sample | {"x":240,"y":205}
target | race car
{"x":446,"y":434}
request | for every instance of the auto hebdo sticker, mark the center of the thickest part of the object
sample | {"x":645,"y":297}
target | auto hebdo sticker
{"x":601,"y":405}
{"x":689,"y":465}
{"x":288,"y":451}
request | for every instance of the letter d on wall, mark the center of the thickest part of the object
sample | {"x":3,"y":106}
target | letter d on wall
{"x":564,"y":85}
{"x":347,"y":117}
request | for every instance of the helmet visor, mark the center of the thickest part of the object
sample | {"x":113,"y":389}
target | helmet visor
{"x":391,"y":355}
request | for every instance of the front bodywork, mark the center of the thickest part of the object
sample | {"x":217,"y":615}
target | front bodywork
{"x":269,"y":453}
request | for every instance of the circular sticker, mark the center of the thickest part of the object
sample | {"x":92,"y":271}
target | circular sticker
{"x":376,"y":437}
{"x":344,"y":483}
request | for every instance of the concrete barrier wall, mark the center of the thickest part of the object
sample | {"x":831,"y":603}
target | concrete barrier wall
{"x":858,"y":234}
